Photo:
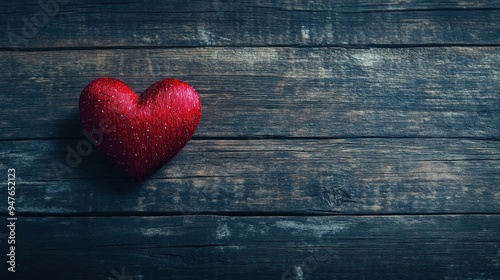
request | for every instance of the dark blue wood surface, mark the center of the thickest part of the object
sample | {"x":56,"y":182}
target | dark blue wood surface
{"x":340,"y":140}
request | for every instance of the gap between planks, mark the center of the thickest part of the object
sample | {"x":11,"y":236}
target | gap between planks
{"x":279,"y":137}
{"x":339,"y":46}
{"x":247,"y":214}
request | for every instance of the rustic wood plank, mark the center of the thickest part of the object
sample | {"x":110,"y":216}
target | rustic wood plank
{"x":317,"y":116}
{"x":215,"y":247}
{"x":84,"y":24}
{"x":267,"y":176}
{"x":285,"y":92}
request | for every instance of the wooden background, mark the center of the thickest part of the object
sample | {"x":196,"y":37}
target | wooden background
{"x":351,"y":139}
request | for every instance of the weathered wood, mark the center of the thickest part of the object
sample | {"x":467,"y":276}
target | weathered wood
{"x":268,"y":176}
{"x":84,"y":24}
{"x":289,"y":92}
{"x":216,"y":247}
{"x":329,"y":127}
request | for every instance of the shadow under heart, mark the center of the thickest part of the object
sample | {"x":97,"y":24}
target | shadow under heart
{"x":90,"y":165}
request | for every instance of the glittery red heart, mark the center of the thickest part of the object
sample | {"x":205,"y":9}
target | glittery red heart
{"x":139,"y":134}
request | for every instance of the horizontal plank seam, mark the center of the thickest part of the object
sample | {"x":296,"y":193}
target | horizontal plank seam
{"x":242,"y":214}
{"x":341,"y":46}
{"x":465,"y":9}
{"x":167,"y":246}
{"x":281,"y":137}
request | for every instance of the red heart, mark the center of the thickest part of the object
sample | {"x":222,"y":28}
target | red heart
{"x":139,"y":134}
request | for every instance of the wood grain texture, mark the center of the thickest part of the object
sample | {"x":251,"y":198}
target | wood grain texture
{"x":93,"y":24}
{"x":216,"y":247}
{"x":376,"y":176}
{"x":280,"y":92}
{"x":349,"y":139}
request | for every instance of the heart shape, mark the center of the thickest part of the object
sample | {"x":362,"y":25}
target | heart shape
{"x":139,"y":134}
